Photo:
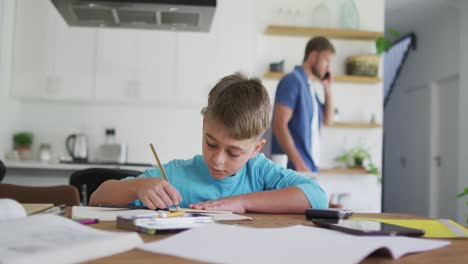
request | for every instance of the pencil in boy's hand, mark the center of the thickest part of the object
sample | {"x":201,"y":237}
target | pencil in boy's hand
{"x":160,"y":167}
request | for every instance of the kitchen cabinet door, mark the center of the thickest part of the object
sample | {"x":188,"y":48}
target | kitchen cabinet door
{"x":29,"y":65}
{"x":52,"y":60}
{"x":155,"y":60}
{"x":204,"y":58}
{"x":135,"y":66}
{"x":115,"y":65}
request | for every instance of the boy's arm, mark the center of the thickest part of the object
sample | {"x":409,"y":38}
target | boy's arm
{"x":153,"y":192}
{"x":115,"y":192}
{"x":290,"y":200}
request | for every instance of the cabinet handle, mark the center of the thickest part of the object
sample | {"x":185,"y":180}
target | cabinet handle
{"x":133,"y":88}
{"x":52,"y":85}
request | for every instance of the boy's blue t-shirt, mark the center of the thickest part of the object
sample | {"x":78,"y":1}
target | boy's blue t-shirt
{"x":195,"y":184}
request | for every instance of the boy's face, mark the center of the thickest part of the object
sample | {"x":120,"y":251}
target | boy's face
{"x":224,"y":155}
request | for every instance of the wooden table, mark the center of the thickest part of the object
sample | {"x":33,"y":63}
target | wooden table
{"x":456,"y":252}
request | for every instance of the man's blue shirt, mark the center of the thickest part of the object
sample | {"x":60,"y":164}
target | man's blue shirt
{"x":195,"y":184}
{"x":294,"y":92}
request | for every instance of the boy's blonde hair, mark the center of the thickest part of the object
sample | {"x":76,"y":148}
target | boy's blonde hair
{"x":241,"y":104}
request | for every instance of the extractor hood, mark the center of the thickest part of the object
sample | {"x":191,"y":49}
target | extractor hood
{"x":179,"y":15}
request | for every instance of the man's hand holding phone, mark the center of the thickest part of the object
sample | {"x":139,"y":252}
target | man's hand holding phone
{"x":327,"y":80}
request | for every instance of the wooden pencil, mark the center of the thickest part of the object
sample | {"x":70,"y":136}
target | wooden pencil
{"x":160,"y":167}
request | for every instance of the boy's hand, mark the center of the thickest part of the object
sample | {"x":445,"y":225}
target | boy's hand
{"x":235,"y":204}
{"x":157,"y":193}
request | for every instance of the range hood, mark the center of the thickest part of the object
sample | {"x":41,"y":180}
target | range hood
{"x":179,"y":15}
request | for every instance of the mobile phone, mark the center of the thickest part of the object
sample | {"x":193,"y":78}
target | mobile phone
{"x":330,"y":213}
{"x":367,"y":228}
{"x":326,"y":76}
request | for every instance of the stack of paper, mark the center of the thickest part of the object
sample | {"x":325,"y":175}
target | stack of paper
{"x":55,"y":239}
{"x":110,"y":213}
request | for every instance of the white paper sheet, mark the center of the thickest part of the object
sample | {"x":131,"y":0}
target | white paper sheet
{"x":296,"y":244}
{"x":11,"y":209}
{"x":110,"y":214}
{"x":54,"y":239}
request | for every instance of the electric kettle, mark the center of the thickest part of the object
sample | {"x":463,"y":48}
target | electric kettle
{"x":77,"y":147}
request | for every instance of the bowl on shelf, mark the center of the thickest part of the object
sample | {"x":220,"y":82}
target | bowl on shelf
{"x":277,"y":66}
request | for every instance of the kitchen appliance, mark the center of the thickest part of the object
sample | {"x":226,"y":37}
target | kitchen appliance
{"x":77,"y":147}
{"x":112,"y":153}
{"x":180,"y":15}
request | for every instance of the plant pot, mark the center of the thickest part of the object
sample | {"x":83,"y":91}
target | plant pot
{"x":24,"y":152}
{"x":363,"y":65}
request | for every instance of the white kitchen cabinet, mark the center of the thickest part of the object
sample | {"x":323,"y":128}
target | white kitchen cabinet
{"x":204,"y":58}
{"x":30,"y":44}
{"x":51,"y":60}
{"x":135,"y":65}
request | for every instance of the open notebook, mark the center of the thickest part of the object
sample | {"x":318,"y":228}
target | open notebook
{"x":219,"y":243}
{"x":50,"y":238}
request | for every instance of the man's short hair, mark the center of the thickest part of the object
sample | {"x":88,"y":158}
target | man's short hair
{"x":318,"y":44}
{"x":241,"y":104}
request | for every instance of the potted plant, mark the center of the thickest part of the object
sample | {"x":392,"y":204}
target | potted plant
{"x":383,"y":44}
{"x":22,"y":143}
{"x":368,"y":65}
{"x":358,"y":157}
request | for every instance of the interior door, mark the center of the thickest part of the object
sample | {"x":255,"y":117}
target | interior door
{"x":446,"y":157}
{"x":413,"y":192}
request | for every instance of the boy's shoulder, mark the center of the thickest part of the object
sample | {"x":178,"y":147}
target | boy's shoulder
{"x":259,"y":160}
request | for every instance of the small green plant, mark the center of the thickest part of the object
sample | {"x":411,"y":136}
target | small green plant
{"x":462,"y":194}
{"x":465,"y":192}
{"x":358,"y":157}
{"x":22,"y":139}
{"x":382,"y":44}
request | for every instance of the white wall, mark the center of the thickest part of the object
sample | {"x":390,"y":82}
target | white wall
{"x":166,"y":126}
{"x":463,"y":106}
{"x":176,"y":128}
{"x":356,"y":102}
{"x":439,"y":55}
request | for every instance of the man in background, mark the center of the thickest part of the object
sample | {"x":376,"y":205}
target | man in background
{"x":298,"y":113}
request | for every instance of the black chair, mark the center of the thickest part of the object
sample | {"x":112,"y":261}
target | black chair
{"x":2,"y":170}
{"x":88,"y":180}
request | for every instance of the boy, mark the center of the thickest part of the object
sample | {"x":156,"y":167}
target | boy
{"x":231,"y":175}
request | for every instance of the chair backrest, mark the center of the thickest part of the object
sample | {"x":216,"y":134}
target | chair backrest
{"x":88,"y":180}
{"x":2,"y":170}
{"x":57,"y":195}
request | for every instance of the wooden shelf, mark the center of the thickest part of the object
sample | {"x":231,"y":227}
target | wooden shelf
{"x":352,"y":171}
{"x":354,"y":125}
{"x":338,"y":78}
{"x":327,"y":32}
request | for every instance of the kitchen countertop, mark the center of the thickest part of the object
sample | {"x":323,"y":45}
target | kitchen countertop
{"x":40,"y":165}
